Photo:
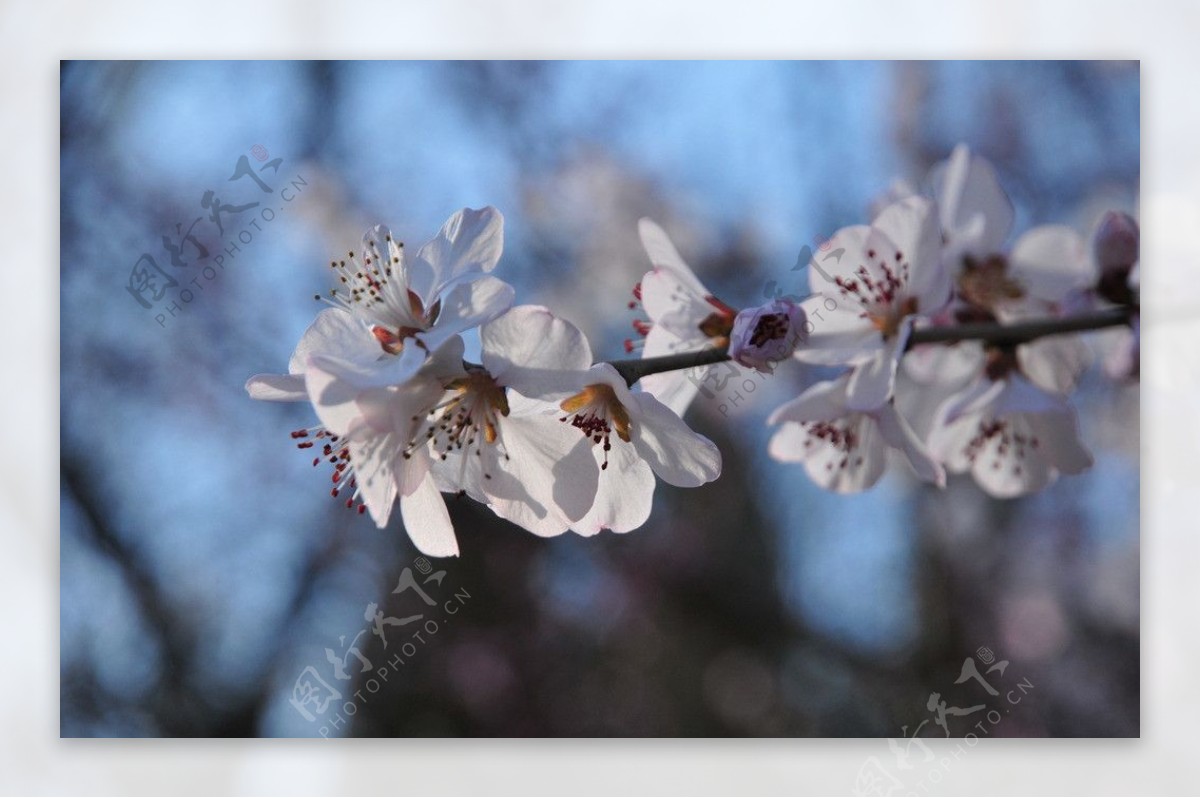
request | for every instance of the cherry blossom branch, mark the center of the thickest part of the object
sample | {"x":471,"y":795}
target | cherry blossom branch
{"x":634,"y":370}
{"x":990,"y":332}
{"x":1022,"y":332}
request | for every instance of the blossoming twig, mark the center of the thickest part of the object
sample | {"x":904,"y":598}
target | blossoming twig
{"x":990,"y":332}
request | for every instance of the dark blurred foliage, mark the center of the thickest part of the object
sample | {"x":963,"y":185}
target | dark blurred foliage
{"x":204,"y":567}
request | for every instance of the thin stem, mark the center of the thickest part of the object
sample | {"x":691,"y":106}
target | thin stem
{"x":1022,"y":332}
{"x":634,"y":370}
{"x":990,"y":332}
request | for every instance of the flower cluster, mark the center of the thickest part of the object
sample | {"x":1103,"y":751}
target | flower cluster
{"x":538,"y":432}
{"x":1001,"y":411}
{"x":552,"y":440}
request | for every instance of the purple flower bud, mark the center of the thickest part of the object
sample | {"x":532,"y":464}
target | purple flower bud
{"x":765,"y":335}
{"x":1115,"y":247}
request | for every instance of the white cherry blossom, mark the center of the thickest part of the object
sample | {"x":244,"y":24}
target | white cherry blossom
{"x":411,"y":307}
{"x":1013,"y":437}
{"x":876,"y":281}
{"x":455,"y":427}
{"x":684,"y":316}
{"x":845,"y":450}
{"x":633,"y":437}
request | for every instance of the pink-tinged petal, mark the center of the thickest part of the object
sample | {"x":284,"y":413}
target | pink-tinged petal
{"x":1051,"y":261}
{"x":838,"y":333}
{"x":1054,"y":363}
{"x":374,"y":462}
{"x":976,"y":214}
{"x":336,"y":333}
{"x":663,"y":255}
{"x":468,"y":304}
{"x":677,"y":454}
{"x":823,"y":401}
{"x":899,"y":435}
{"x":673,"y":304}
{"x":277,"y":387}
{"x":428,"y":521}
{"x":469,"y":241}
{"x":624,"y":493}
{"x":872,"y":382}
{"x":529,"y":338}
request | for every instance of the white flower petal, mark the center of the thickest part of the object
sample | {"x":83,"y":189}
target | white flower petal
{"x":840,"y":257}
{"x":374,"y":462}
{"x":675,"y":389}
{"x":428,"y":521}
{"x":672,"y":303}
{"x":389,"y":370}
{"x":912,"y":227}
{"x":849,"y":468}
{"x":469,"y":241}
{"x":899,"y":435}
{"x":529,"y":338}
{"x":624,"y":493}
{"x":1022,"y":396}
{"x":1054,"y":363}
{"x":836,"y":336}
{"x":277,"y":387}
{"x":468,"y":304}
{"x":823,"y":401}
{"x":872,"y":382}
{"x":337,"y":333}
{"x":555,"y":467}
{"x":975,"y":212}
{"x":787,"y":444}
{"x":1058,"y":438}
{"x":1051,"y":261}
{"x":663,"y":255}
{"x":1006,"y":470}
{"x":677,"y":454}
{"x":333,"y":399}
{"x":943,"y":364}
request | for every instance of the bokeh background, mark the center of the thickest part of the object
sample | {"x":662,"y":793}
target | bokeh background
{"x":204,"y":567}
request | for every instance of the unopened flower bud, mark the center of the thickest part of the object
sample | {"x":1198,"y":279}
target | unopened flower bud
{"x":1115,"y":247}
{"x":765,"y":335}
